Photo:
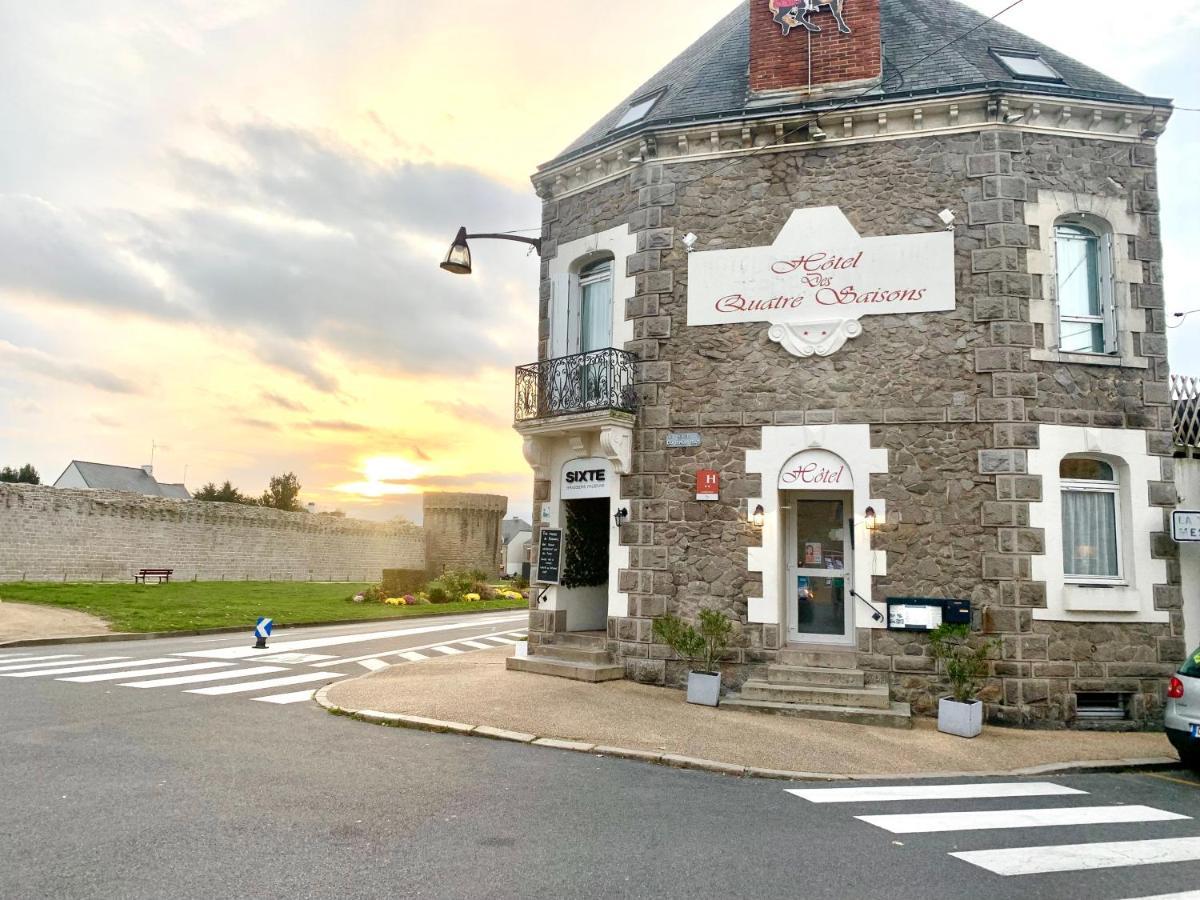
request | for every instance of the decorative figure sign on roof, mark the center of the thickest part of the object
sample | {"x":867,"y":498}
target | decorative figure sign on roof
{"x":819,"y":279}
{"x":791,"y":14}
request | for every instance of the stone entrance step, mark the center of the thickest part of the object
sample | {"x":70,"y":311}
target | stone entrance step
{"x":593,"y":640}
{"x":813,"y":676}
{"x":563,"y":668}
{"x":819,"y":657}
{"x":571,"y":653}
{"x":898,"y":715}
{"x":818,"y":695}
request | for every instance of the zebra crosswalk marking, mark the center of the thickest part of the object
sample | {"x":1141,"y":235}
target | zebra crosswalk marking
{"x":68,"y":659}
{"x":448,"y":651}
{"x":1080,"y":857}
{"x":374,"y":665}
{"x":90,"y":667}
{"x":420,"y":647}
{"x":241,"y":688}
{"x":885,"y":793}
{"x":413,"y":656}
{"x":478,"y":646}
{"x":210,"y":676}
{"x":994,"y":819}
{"x":141,"y":673}
{"x":284,"y":699}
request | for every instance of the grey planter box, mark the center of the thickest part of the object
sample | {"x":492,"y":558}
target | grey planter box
{"x":704,"y":688}
{"x":962,"y":719}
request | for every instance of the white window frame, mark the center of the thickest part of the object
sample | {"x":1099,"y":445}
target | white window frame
{"x":579,"y":281}
{"x":1107,"y":317}
{"x":638,"y":109}
{"x":1007,"y":58}
{"x":1097,"y":486}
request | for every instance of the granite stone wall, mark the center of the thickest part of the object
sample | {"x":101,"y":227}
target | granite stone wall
{"x":51,"y":534}
{"x":954,"y":397}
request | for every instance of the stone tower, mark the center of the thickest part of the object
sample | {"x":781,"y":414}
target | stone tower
{"x":462,"y":531}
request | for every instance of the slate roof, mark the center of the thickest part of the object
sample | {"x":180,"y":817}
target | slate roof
{"x":710,"y":79}
{"x":512,"y":527}
{"x":103,"y":477}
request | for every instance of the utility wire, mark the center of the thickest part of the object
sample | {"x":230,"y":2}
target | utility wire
{"x":850,"y":100}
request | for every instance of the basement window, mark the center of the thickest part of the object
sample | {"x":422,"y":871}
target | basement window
{"x":638,"y":110}
{"x":1101,"y":706}
{"x":1025,"y":65}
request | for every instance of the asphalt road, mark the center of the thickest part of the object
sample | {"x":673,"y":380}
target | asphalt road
{"x":112,"y":792}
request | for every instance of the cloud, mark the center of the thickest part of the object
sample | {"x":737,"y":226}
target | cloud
{"x":476,"y":414}
{"x":330,"y":425}
{"x":29,"y":359}
{"x":282,"y":402}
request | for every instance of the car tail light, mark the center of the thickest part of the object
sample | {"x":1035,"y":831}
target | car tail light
{"x":1175,"y":688}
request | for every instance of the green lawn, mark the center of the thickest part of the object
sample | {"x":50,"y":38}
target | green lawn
{"x":185,"y":605}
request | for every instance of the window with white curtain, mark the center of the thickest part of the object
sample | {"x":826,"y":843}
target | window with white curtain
{"x":1091,"y":519}
{"x":1083,"y":260}
{"x":596,"y":306}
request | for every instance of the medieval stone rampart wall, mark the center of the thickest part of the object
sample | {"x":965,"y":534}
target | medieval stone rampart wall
{"x":77,"y":535}
{"x":463,"y":531}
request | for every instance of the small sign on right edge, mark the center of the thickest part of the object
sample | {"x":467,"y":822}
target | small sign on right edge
{"x":1185,"y":526}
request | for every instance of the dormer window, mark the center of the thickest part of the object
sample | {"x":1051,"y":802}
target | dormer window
{"x":1025,"y":65}
{"x":638,"y":110}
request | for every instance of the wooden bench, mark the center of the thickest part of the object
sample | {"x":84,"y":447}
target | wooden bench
{"x":161,"y":574}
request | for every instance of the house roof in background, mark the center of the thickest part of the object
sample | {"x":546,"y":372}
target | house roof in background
{"x":711,"y":78}
{"x":510,"y":528}
{"x":105,"y":477}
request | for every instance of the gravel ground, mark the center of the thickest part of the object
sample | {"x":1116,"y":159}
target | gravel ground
{"x":476,"y":689}
{"x":21,"y":622}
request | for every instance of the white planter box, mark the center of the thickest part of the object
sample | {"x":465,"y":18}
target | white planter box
{"x":704,"y":689}
{"x":962,"y":719}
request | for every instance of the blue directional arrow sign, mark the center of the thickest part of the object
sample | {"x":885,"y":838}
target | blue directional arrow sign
{"x":263,"y":628}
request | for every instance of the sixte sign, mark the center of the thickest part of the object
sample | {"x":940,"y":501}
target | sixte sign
{"x":584,"y":478}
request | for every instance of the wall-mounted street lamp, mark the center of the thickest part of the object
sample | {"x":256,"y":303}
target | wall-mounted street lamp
{"x":872,"y":521}
{"x":759,"y":517}
{"x":458,"y":258}
{"x":621,"y":516}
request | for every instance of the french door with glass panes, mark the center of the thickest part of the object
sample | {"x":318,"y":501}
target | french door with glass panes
{"x":820,"y":607}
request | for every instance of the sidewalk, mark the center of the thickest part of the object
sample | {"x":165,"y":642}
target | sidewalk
{"x":475,"y":689}
{"x":24,"y":621}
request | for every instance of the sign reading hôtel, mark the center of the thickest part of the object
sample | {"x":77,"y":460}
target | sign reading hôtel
{"x":819,"y":278}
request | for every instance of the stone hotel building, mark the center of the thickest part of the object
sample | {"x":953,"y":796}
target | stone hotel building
{"x":843,"y":317}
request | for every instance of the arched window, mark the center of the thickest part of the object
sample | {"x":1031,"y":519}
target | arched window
{"x":1091,"y":519}
{"x":596,"y":306}
{"x":1083,"y":259}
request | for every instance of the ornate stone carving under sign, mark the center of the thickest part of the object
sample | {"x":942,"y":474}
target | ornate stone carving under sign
{"x":791,"y":14}
{"x":819,"y":278}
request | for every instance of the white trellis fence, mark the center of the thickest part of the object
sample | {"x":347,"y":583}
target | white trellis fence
{"x":1185,"y":412}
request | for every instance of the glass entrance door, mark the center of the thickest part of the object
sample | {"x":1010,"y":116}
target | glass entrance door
{"x":820,"y":607}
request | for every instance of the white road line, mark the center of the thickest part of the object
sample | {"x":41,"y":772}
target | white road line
{"x":294,"y":658}
{"x":1184,"y":895}
{"x":340,"y":640}
{"x":477,"y":645}
{"x":91,"y":667}
{"x":413,"y":656}
{"x":982,"y":820}
{"x":449,"y":651}
{"x":62,"y":661}
{"x":297,"y":697}
{"x":269,"y":683}
{"x":503,"y":640}
{"x":932,"y":792}
{"x":165,"y":670}
{"x":211,"y":676}
{"x":387,"y":653}
{"x":1078,"y":857}
{"x":375,"y":665}
{"x":19,"y":657}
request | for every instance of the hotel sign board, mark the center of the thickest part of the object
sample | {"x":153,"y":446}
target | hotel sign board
{"x":819,"y":279}
{"x":586,"y":478}
{"x":1185,"y":526}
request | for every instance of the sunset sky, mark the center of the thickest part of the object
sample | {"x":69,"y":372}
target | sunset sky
{"x":220,"y":222}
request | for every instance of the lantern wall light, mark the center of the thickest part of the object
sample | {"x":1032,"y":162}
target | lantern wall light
{"x":458,"y":257}
{"x":759,"y":517}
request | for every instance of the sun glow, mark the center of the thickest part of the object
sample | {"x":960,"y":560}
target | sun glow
{"x":385,"y":476}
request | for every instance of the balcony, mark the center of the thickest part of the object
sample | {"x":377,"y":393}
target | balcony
{"x":1185,"y":414}
{"x":587,"y":398}
{"x":599,"y":380}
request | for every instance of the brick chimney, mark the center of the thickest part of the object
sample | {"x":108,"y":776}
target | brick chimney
{"x":806,"y":61}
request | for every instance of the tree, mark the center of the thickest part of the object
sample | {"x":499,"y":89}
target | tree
{"x":226,"y":493}
{"x":284,"y":493}
{"x":27,"y":474}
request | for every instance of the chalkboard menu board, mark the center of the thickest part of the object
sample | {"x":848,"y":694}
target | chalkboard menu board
{"x":549,"y":558}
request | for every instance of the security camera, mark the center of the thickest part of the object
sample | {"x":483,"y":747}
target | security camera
{"x":947,"y":218}
{"x":689,"y":241}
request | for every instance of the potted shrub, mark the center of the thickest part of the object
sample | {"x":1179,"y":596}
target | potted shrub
{"x":965,"y":667}
{"x":702,"y":648}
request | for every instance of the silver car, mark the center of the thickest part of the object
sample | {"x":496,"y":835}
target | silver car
{"x":1182,"y":716}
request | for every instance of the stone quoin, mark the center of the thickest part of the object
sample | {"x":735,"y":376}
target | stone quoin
{"x":896,"y":402}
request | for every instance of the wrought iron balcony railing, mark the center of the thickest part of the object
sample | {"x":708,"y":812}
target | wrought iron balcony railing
{"x":584,"y":382}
